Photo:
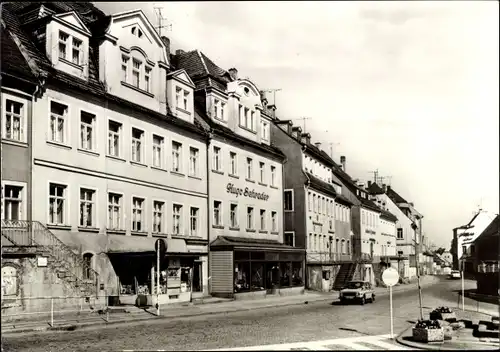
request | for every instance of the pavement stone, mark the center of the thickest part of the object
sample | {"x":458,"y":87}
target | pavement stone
{"x":93,"y":318}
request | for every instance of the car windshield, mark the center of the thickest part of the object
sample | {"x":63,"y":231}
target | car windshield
{"x":354,"y":284}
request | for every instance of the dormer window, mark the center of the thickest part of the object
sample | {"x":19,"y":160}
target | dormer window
{"x":136,"y":73}
{"x":77,"y":51}
{"x":186,"y":94}
{"x":219,"y":109}
{"x":63,"y":44}
{"x":264,"y":130}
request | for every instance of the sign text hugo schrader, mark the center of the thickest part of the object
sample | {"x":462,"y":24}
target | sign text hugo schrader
{"x":246,"y":192}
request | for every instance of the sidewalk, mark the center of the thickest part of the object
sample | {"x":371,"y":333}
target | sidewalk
{"x":73,"y":321}
{"x":462,"y":338}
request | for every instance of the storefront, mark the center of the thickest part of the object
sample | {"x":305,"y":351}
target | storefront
{"x":241,"y":267}
{"x":182,"y":273}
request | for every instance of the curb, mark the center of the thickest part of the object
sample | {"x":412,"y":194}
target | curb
{"x":73,"y":327}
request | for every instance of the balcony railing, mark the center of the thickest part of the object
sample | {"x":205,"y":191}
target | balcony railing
{"x":327,"y":257}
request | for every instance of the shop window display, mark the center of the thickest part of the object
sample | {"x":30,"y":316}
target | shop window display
{"x":257,"y":276}
{"x":297,"y":274}
{"x":286,"y":274}
{"x":242,"y":277}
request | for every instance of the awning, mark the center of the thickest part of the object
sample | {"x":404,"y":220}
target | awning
{"x":135,"y":244}
{"x":226,"y":242}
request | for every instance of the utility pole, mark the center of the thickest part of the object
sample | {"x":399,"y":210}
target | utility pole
{"x":414,"y":227}
{"x":160,"y":18}
{"x":375,"y":175}
{"x":382,"y":178}
{"x":274,"y":94}
{"x":304,"y":119}
{"x":331,"y":148}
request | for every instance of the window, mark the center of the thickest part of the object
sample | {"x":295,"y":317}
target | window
{"x":240,"y":116}
{"x":289,"y":200}
{"x":289,"y":238}
{"x":217,"y":162}
{"x":247,"y":120}
{"x":87,"y":266}
{"x":252,"y":121}
{"x":348,"y":247}
{"x":158,"y":151}
{"x":193,"y":161}
{"x":12,"y":202}
{"x":185,"y":100}
{"x":234,"y":163}
{"x":87,"y":207}
{"x":87,"y":122}
{"x":342,"y":244}
{"x":400,"y":234}
{"x":147,"y":79}
{"x":262,"y":167}
{"x":274,"y":221}
{"x":177,"y":217}
{"x":158,"y":208}
{"x":58,"y":114}
{"x":57,"y":203}
{"x":222,"y":108}
{"x":262,"y":219}
{"x":114,"y":211}
{"x":77,"y":52}
{"x":249,"y":218}
{"x":138,"y":214}
{"x":249,"y":168}
{"x":114,"y":131}
{"x":176,"y":156}
{"x":14,"y":120}
{"x":9,"y":281}
{"x":273,"y":176}
{"x":314,"y":203}
{"x":193,"y":221}
{"x":63,"y":43}
{"x":217,"y":213}
{"x":137,"y":137}
{"x":178,"y":92}
{"x":125,"y":61}
{"x":234,"y":215}
{"x":136,"y":73}
{"x":216,"y":108}
{"x":464,"y":249}
{"x":264,"y":131}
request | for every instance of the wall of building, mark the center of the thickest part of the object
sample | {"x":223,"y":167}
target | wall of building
{"x":320,"y":221}
{"x":387,"y":237}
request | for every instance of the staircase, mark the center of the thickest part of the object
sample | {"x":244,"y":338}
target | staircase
{"x":68,"y":266}
{"x":345,"y":274}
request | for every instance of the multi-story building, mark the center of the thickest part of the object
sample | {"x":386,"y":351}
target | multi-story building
{"x":317,"y":216}
{"x":118,"y":158}
{"x":248,"y":256}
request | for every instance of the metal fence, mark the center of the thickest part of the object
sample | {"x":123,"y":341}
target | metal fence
{"x":471,"y":301}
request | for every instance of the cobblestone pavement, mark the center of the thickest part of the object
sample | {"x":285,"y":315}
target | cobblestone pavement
{"x":316,"y":321}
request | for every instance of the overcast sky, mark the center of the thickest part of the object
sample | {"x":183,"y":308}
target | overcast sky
{"x":408,"y":88}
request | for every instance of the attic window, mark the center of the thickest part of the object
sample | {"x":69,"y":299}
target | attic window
{"x":136,"y":31}
{"x":63,"y":44}
{"x":246,"y":90}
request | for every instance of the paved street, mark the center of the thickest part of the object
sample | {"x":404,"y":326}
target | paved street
{"x":315,"y":323}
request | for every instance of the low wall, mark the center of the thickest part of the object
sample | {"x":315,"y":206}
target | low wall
{"x":250,"y":295}
{"x":291,"y":291}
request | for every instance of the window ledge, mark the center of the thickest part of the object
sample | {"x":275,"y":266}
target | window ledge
{"x":275,"y":233}
{"x":116,"y":158}
{"x":247,"y":129}
{"x":263,"y":184}
{"x":251,"y":230}
{"x":218,"y":226}
{"x":58,"y":144}
{"x":234,"y":228}
{"x":116,"y":231}
{"x":248,"y":180}
{"x":263,"y":231}
{"x":158,"y":168}
{"x":88,"y":229}
{"x":59,"y":227}
{"x":14,"y":142}
{"x":89,"y":152}
{"x":176,"y":173}
{"x":136,"y":163}
{"x":233,"y":176}
{"x":219,"y":119}
{"x":274,"y":187}
{"x":194,"y":177}
{"x":218,"y":172}
{"x":67,"y":62}
{"x":182,"y":110}
{"x":138,"y":233}
{"x":158,"y":234}
{"x":139,"y":90}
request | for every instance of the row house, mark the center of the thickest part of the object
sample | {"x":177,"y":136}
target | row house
{"x":119,"y":159}
{"x":317,"y":215}
{"x":249,"y":255}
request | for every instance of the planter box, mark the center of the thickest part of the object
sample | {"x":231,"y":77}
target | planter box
{"x":428,"y":335}
{"x":449,"y":317}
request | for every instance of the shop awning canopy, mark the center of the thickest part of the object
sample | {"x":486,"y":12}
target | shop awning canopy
{"x":134,"y":244}
{"x":226,"y":242}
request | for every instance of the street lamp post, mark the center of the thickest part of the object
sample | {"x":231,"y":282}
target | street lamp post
{"x":414,"y":227}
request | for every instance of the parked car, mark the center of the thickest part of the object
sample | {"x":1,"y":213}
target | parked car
{"x":455,"y":274}
{"x":357,"y":291}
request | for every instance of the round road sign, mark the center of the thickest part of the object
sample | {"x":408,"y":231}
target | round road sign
{"x":390,"y":277}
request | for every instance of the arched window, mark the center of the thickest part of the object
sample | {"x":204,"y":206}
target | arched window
{"x":87,"y":260}
{"x":9,"y":281}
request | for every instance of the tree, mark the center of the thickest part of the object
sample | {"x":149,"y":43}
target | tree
{"x":440,"y":250}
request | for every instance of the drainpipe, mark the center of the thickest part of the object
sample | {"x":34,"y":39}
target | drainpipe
{"x":208,"y":140}
{"x":283,"y":185}
{"x":308,"y":183}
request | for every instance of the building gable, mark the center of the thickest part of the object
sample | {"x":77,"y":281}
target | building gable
{"x":73,"y":20}
{"x":182,"y":76}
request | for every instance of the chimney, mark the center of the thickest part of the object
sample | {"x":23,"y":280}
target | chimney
{"x":411,"y":203}
{"x":233,"y":73}
{"x":166,"y":41}
{"x":272,"y":110}
{"x":179,"y":52}
{"x":369,"y":184}
{"x":263,"y":100}
{"x":296,"y":132}
{"x":318,"y":145}
{"x":388,"y":188}
{"x":305,"y":138}
{"x":342,"y":161}
{"x":384,"y":187}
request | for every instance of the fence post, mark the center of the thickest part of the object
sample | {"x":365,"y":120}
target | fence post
{"x":51,"y":311}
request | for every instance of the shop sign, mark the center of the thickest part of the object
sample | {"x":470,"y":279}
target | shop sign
{"x":246,"y":192}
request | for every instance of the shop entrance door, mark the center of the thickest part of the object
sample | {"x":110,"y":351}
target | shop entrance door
{"x":272,"y":277}
{"x":197,"y":279}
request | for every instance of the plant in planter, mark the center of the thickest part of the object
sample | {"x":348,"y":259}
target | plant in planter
{"x":428,"y":331}
{"x":443,"y":313}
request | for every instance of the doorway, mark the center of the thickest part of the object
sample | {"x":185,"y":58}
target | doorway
{"x":197,"y":278}
{"x":272,"y":277}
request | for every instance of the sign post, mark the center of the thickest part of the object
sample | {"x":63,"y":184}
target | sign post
{"x":161,"y":249}
{"x":390,"y":277}
{"x":463,"y":287}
